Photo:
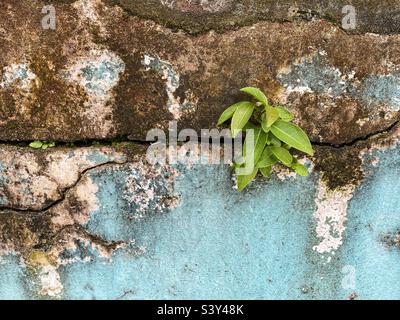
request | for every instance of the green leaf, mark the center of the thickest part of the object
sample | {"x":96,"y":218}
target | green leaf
{"x":228,"y":113}
{"x":267,"y":158}
{"x":241,"y":117}
{"x":36,"y":144}
{"x":300,"y":169}
{"x":284,"y":114}
{"x":274,"y":140}
{"x":271,"y":115}
{"x":292,"y":135}
{"x":260,"y":140}
{"x":283,"y":155}
{"x":256,"y":93}
{"x":250,"y":125}
{"x":243,"y":181}
{"x":266,"y":172}
{"x":52,"y":144}
{"x":45,"y":146}
{"x":264,"y":125}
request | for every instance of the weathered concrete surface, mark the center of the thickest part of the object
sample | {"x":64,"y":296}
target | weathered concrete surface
{"x":113,"y":74}
{"x":101,"y":222}
{"x":195,"y":16}
{"x":119,"y":221}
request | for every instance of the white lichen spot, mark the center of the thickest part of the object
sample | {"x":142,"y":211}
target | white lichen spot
{"x":21,"y":80}
{"x":18,"y":75}
{"x":50,"y":281}
{"x":175,"y":107}
{"x":363,"y":121}
{"x":331,"y":216}
{"x":98,"y":72}
{"x":350,"y":75}
{"x":150,"y":189}
{"x":298,"y":89}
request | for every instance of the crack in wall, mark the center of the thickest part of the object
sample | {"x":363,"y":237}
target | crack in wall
{"x":109,"y":245}
{"x":244,"y":15}
{"x":63,"y":192}
{"x":365,"y":139}
{"x":125,"y":140}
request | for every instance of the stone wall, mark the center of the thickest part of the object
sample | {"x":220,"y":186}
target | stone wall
{"x":91,"y":218}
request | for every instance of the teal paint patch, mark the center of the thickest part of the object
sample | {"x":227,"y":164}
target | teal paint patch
{"x":317,"y":76}
{"x":12,"y":278}
{"x":374,"y":212}
{"x":108,"y":221}
{"x":313,"y":75}
{"x":100,"y":77}
{"x":17,"y":73}
{"x":98,"y":73}
{"x":222,"y":244}
{"x":99,"y":157}
{"x":125,"y":196}
{"x":218,"y":243}
{"x":378,"y":89}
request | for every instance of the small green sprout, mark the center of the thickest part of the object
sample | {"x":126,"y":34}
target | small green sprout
{"x":274,"y":135}
{"x":42,"y":144}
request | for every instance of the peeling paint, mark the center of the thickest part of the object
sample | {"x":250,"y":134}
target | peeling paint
{"x":100,"y":223}
{"x":18,"y":74}
{"x":98,"y":73}
{"x":313,"y":75}
{"x":175,"y":106}
{"x":382,"y":89}
{"x":331,"y":216}
{"x":19,"y":81}
{"x":50,"y":281}
{"x":32,"y":183}
{"x":128,"y":194}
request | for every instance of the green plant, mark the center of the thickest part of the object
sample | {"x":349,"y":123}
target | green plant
{"x":274,"y":135}
{"x":42,"y":144}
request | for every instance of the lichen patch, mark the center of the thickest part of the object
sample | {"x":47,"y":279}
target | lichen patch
{"x":331,"y":216}
{"x":18,"y":74}
{"x":98,"y":72}
{"x":175,"y":106}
